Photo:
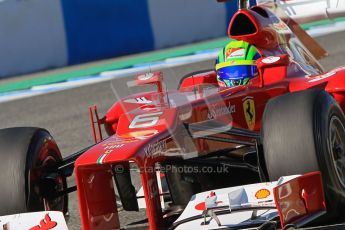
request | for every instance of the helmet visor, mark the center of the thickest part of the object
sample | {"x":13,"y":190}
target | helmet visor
{"x":236,"y":74}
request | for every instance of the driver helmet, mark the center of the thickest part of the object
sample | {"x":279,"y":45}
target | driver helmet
{"x":235,"y":64}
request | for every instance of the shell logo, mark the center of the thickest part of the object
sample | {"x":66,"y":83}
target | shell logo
{"x":262,"y":194}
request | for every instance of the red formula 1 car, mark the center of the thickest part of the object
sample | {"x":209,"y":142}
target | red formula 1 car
{"x":204,"y":140}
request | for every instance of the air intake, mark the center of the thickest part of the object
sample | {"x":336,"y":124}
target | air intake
{"x":242,"y":25}
{"x":254,"y":27}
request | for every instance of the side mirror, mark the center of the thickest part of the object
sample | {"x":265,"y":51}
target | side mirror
{"x":155,"y":78}
{"x":273,"y":68}
{"x":194,"y":79}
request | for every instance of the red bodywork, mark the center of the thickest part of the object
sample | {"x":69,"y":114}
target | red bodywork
{"x":299,"y":199}
{"x":148,"y":128}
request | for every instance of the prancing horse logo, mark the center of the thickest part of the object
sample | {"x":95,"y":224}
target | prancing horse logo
{"x":249,"y":111}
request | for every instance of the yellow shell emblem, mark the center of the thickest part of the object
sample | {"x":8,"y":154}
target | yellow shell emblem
{"x":249,"y":112}
{"x":262,"y":194}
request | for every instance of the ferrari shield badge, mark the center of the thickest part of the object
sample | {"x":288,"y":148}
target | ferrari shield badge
{"x":249,"y":111}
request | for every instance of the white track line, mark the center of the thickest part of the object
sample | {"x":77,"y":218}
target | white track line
{"x":142,"y":68}
{"x":106,"y":76}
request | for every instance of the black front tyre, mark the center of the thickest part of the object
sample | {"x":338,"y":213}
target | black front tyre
{"x":304,"y":132}
{"x":26,"y":185}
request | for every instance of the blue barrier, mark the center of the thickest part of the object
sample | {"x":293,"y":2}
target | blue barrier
{"x":48,"y":34}
{"x":97,"y":29}
{"x":231,"y":9}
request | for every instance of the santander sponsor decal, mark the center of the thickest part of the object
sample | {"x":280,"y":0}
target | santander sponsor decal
{"x":210,"y":202}
{"x":321,"y":77}
{"x":234,"y":53}
{"x":220,"y":110}
{"x":45,"y":224}
{"x":138,"y":100}
{"x":145,"y":76}
{"x":270,"y":59}
{"x":202,"y":205}
{"x":44,"y":220}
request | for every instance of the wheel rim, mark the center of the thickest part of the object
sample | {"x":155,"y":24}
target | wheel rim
{"x":57,"y":203}
{"x":48,"y":204}
{"x":337,"y":147}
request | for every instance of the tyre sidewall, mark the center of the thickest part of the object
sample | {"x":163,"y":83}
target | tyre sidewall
{"x":325,"y":108}
{"x":20,"y":149}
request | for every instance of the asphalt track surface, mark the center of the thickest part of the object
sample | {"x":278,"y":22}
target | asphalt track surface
{"x":65,"y":113}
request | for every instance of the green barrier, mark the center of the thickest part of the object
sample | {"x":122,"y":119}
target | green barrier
{"x":130,"y":61}
{"x":120,"y":64}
